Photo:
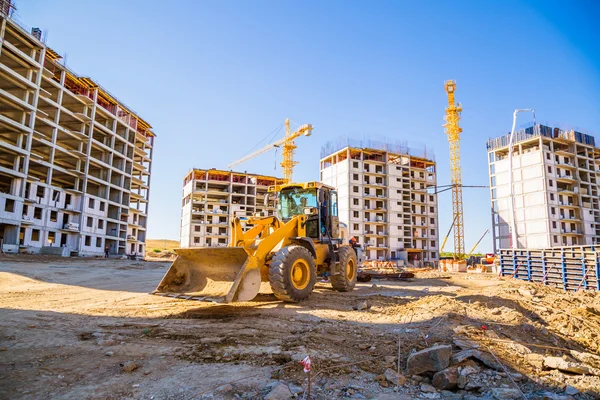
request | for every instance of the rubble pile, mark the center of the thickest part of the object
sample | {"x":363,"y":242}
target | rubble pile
{"x":517,"y":340}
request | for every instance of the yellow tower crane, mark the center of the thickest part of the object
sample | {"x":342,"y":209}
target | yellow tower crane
{"x":453,"y":131}
{"x":288,"y":149}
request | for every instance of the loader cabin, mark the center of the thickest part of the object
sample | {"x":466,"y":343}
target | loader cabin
{"x":313,"y":199}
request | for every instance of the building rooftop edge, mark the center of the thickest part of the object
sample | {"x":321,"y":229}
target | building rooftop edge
{"x":54,"y":57}
{"x":550,"y":133}
{"x":222,"y":171}
{"x":367,"y":149}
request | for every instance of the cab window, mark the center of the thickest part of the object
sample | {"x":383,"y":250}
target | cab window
{"x":294,"y":201}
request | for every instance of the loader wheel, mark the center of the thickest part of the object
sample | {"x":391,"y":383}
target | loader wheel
{"x":345,"y":281}
{"x":292,"y":274}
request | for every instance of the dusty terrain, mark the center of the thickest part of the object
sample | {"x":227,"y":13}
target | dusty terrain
{"x":71,"y":328}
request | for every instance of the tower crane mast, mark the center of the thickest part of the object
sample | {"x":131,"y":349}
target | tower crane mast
{"x":288,"y":145}
{"x":453,"y":131}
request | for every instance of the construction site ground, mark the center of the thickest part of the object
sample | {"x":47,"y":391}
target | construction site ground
{"x":88,"y":329}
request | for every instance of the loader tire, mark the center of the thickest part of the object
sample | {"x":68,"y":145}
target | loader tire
{"x":292,"y":274}
{"x":345,"y":281}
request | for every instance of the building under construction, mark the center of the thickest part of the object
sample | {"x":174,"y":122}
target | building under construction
{"x":556,"y":189}
{"x":74,"y":160}
{"x":210,"y":199}
{"x":386,"y":198}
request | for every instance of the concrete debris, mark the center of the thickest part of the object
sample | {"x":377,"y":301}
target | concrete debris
{"x":279,"y":392}
{"x":568,"y":366}
{"x":485,"y":358}
{"x":109,"y":354}
{"x":465,"y":343}
{"x":432,"y":359}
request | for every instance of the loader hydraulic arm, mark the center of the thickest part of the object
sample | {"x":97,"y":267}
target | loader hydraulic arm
{"x":293,"y":228}
{"x":262,"y":227}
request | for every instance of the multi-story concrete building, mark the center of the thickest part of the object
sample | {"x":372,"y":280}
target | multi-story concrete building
{"x":385,"y":199}
{"x":211,"y":197}
{"x":556,"y":175}
{"x":74,"y":161}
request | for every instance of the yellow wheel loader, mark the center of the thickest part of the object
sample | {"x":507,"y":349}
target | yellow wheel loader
{"x":285,"y":252}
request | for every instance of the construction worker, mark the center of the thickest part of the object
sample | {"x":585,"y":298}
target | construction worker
{"x":292,"y":206}
{"x":354,"y":244}
{"x":106,"y":252}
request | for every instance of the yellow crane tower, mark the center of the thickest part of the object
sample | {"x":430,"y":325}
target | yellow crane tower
{"x":288,"y":149}
{"x":453,"y":131}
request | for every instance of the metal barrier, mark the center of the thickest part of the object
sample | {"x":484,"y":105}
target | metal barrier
{"x":572,"y":268}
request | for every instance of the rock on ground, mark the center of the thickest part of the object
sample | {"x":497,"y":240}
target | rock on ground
{"x":394,"y":378}
{"x":446,"y":379}
{"x":427,"y":388}
{"x":570,"y":390}
{"x":567,"y":366}
{"x":279,"y":392}
{"x":588,"y":358}
{"x":432,"y":359}
{"x":295,"y":389}
{"x":506,"y":393}
{"x":485,"y":358}
{"x":129,"y":366}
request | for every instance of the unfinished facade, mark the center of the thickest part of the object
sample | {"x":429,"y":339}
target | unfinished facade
{"x":556,"y":175}
{"x":211,"y":197}
{"x":385,"y":199}
{"x":74,"y":161}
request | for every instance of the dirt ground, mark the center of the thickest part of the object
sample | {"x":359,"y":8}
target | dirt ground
{"x":70,"y":328}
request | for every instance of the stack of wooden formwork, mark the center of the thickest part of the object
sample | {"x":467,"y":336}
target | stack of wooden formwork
{"x":572,"y":268}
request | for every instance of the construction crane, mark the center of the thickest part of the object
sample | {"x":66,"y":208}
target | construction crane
{"x":477,"y":244}
{"x":447,"y":235}
{"x":453,"y":131}
{"x":288,"y":149}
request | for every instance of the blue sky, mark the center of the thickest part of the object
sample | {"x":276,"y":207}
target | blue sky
{"x":215,"y":77}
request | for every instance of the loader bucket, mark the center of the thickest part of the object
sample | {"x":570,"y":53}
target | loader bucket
{"x":211,"y":274}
